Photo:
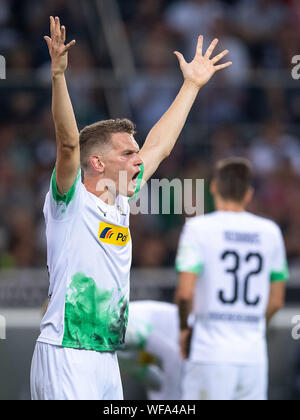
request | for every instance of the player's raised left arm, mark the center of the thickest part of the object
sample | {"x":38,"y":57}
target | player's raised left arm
{"x":163,"y":136}
{"x":67,"y":135}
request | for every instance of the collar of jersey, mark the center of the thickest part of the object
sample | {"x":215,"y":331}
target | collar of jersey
{"x":104,"y":206}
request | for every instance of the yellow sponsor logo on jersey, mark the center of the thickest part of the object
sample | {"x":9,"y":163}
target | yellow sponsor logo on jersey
{"x":113,"y":235}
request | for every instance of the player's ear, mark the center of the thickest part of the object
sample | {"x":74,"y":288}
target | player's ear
{"x":97,"y":163}
{"x":249,"y":196}
{"x":213,"y":187}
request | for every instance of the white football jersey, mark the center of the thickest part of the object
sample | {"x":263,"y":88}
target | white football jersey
{"x":236,"y":256}
{"x":147,"y":316}
{"x":89,"y":258}
{"x":153,"y":328}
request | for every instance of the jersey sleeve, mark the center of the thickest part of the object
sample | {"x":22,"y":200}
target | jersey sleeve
{"x":189,"y":257}
{"x":63,"y":206}
{"x":279,"y":270}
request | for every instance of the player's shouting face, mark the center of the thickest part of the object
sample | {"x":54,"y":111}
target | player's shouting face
{"x":122,"y":163}
{"x":110,"y":158}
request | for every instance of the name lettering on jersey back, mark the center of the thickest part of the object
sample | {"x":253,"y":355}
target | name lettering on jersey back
{"x":228,"y":317}
{"x":252,"y":238}
{"x":113,"y":235}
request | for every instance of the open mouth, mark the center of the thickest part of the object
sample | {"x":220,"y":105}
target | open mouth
{"x":135,"y":176}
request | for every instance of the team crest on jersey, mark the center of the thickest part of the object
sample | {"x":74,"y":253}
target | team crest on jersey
{"x":113,"y":235}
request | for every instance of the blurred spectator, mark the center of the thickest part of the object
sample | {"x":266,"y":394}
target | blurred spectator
{"x":22,"y":245}
{"x":238,"y":53}
{"x":226,"y":142}
{"x":9,"y":36}
{"x":262,"y":36}
{"x":153,"y":91}
{"x":258,"y":22}
{"x":273,"y":147}
{"x":295,"y":12}
{"x":5,"y":12}
{"x":192,"y":18}
{"x":153,"y":253}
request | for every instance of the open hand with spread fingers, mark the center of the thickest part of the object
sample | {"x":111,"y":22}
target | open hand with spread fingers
{"x":57,"y":48}
{"x":203,"y":67}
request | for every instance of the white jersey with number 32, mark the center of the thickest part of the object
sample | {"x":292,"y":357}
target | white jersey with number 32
{"x":236,"y":256}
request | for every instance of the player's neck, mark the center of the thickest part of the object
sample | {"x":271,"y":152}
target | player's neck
{"x":229,"y":206}
{"x":104,"y":194}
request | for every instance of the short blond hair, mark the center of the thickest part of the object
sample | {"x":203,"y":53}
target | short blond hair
{"x":99,"y":134}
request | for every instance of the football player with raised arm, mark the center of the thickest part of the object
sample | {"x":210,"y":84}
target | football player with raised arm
{"x":87,"y":229}
{"x":232,"y":272}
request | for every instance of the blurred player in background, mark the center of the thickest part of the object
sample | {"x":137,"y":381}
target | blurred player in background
{"x":232,"y":273}
{"x":87,"y":229}
{"x":152,"y":354}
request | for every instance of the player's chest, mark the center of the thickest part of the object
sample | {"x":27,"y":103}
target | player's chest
{"x":107,"y":228}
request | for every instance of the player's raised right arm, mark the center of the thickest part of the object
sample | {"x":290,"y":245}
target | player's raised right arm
{"x":67,"y":135}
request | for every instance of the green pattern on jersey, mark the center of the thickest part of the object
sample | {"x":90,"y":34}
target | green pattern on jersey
{"x":67,"y":197}
{"x":94,"y":319}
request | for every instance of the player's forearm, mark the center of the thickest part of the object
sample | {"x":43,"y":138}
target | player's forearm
{"x":165,"y":133}
{"x":64,"y":119}
{"x":184,"y":309}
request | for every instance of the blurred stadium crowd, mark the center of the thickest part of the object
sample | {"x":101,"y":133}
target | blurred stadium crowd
{"x":253,"y":109}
